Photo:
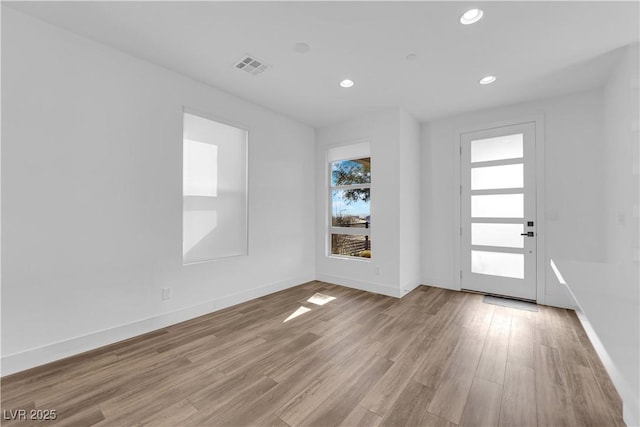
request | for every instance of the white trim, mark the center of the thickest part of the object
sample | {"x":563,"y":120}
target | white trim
{"x":352,"y":151}
{"x":541,"y":257}
{"x":351,"y":231}
{"x":487,"y":220}
{"x":408,"y":287}
{"x":238,"y":125}
{"x":498,"y":249}
{"x":501,"y":162}
{"x":558,"y":301}
{"x":630,"y":402}
{"x":630,"y":405}
{"x":457,"y":213}
{"x":492,"y":191}
{"x":16,"y":362}
{"x":357,"y":149}
{"x":538,"y":119}
{"x":378,"y":288}
{"x":214,"y":118}
{"x":351,"y":186}
{"x":441,"y":286}
{"x":349,"y":258}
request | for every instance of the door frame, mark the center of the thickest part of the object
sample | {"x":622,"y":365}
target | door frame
{"x":541,"y":263}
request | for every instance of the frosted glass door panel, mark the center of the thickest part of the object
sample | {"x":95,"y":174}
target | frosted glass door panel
{"x":491,"y":177}
{"x":498,"y":264}
{"x":498,"y":148}
{"x":502,"y":235}
{"x":497,"y":206}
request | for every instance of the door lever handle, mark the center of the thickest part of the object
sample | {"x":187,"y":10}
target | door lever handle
{"x":528,"y":234}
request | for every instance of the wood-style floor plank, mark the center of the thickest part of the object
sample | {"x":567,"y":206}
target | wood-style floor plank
{"x":433,"y":358}
{"x":452,"y":392}
{"x":172,"y":415}
{"x":518,"y":408}
{"x":483,"y":404}
{"x":494,"y":356}
{"x":521,"y":339}
{"x":589,"y":406}
{"x":339,"y":405}
{"x":381,"y":397}
{"x":361,"y":417}
{"x":552,"y":391}
{"x":328,"y":383}
{"x":410,"y":409}
{"x":438,"y":356}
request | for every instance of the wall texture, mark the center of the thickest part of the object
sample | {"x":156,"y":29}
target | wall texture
{"x":92,"y":197}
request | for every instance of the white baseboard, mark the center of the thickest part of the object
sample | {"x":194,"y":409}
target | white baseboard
{"x":558,"y":301}
{"x":630,"y":406}
{"x":552,"y":300}
{"x":31,"y":358}
{"x":434,"y":284}
{"x":630,"y":415}
{"x":409,"y":286}
{"x":377,"y":288}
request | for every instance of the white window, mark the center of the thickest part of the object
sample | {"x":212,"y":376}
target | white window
{"x":350,"y":201}
{"x":214,"y":190}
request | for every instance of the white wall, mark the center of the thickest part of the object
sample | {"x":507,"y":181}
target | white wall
{"x":394,"y":268}
{"x":380,"y":273}
{"x":621,"y":160}
{"x":621,"y":219}
{"x":92,"y":197}
{"x":573,"y":189}
{"x":409,"y":203}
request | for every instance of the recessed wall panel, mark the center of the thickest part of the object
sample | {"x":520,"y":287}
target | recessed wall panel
{"x":214,"y":214}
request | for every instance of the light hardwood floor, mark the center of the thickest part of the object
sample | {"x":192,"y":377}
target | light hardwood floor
{"x":433,"y":358}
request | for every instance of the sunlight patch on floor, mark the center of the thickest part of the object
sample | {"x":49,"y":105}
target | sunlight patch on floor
{"x":320,"y":299}
{"x":317,"y":299}
{"x":299,"y":312}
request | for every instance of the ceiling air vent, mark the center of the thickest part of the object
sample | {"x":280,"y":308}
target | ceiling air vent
{"x":251,"y":65}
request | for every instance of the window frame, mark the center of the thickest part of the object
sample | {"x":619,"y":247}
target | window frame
{"x":354,"y":231}
{"x":245,"y":164}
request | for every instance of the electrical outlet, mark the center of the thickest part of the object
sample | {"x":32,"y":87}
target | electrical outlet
{"x":166,"y":294}
{"x":377,"y":270}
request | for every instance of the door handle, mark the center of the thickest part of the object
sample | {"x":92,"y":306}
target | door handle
{"x":528,"y":234}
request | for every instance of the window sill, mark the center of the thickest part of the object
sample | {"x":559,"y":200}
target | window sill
{"x":349,"y":258}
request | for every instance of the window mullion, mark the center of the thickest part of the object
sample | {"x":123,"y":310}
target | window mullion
{"x":350,"y":187}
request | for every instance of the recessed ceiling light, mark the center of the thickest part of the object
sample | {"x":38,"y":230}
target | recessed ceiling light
{"x":471,"y":16}
{"x":346,"y":83}
{"x":487,"y":80}
{"x":301,"y":47}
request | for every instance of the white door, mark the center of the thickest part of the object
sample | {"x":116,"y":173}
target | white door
{"x":498,"y":207}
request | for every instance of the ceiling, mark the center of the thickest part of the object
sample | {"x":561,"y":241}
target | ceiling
{"x":536,"y":49}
